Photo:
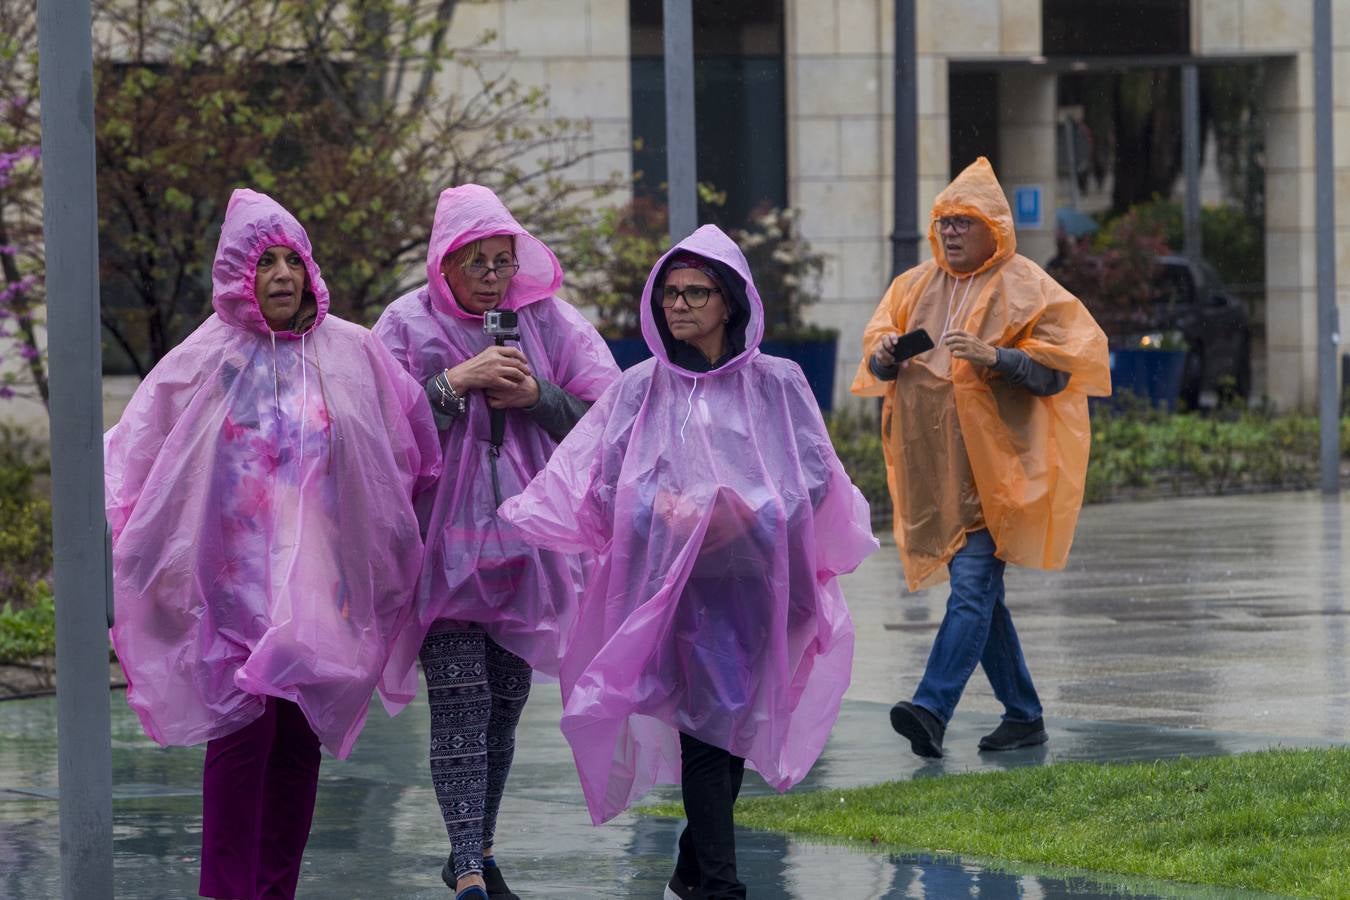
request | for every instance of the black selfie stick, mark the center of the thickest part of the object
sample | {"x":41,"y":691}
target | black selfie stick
{"x":498,"y":420}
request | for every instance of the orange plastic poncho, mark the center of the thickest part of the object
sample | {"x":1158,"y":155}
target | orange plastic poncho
{"x":965,"y":449}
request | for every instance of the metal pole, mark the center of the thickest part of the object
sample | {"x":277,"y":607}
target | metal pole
{"x":1328,"y":329}
{"x":1190,"y":156}
{"x":681,"y":158}
{"x":70,"y":228}
{"x":905,"y":235}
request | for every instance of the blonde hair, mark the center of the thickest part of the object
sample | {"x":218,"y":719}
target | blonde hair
{"x":469,"y":252}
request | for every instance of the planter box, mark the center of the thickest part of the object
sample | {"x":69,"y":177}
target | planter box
{"x":816,"y":358}
{"x":1151,"y":375}
{"x":628,"y":352}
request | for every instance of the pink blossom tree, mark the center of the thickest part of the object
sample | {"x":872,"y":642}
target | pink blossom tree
{"x":21,"y":258}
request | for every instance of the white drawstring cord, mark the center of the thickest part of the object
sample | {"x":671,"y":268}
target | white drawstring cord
{"x":946,"y":326}
{"x":304,"y":397}
{"x":276,"y":390}
{"x":691,"y":409}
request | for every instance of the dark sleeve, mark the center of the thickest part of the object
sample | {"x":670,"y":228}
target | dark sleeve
{"x":885,"y":373}
{"x":444,"y":412}
{"x":557,"y":411}
{"x":1022,"y":370}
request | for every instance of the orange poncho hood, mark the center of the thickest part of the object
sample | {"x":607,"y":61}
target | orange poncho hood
{"x":965,"y":449}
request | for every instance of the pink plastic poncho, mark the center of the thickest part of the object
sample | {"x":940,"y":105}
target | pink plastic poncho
{"x":259,"y":489}
{"x":478,"y":569}
{"x":721,"y":518}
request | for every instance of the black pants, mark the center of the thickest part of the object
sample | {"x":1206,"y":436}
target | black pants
{"x":710,"y":780}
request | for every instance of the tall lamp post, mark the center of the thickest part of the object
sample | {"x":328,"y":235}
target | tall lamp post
{"x":1328,"y":327}
{"x":681,"y":158}
{"x":905,"y":234}
{"x":70,"y":229}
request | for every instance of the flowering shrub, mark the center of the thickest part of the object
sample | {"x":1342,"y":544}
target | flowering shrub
{"x":608,"y":260}
{"x":23,"y":371}
{"x":1115,"y":276}
{"x":786,"y":270}
{"x":608,"y":263}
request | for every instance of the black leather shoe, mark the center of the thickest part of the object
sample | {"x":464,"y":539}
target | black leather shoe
{"x":1011,"y":735}
{"x":492,"y":876}
{"x":921,"y":727}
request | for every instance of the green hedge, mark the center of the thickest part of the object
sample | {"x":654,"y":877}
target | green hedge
{"x":27,"y":616}
{"x":1142,"y":453}
{"x":1135,"y":453}
{"x":29,"y":631}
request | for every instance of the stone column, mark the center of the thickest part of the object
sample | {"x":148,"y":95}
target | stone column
{"x":1026,"y":151}
{"x":1291,"y":242}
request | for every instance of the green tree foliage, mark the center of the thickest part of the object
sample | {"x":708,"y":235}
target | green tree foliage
{"x":1135,"y":118}
{"x":352,"y":114}
{"x":613,"y":256}
{"x":25,"y":521}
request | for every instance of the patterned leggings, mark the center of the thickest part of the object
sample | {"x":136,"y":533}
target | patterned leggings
{"x":477,"y":691}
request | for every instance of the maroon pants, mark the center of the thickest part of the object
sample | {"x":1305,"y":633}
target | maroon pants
{"x":258,"y":789}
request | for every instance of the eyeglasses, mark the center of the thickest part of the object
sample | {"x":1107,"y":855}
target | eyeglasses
{"x":478,"y":270}
{"x":695,"y":296}
{"x":956,"y":224}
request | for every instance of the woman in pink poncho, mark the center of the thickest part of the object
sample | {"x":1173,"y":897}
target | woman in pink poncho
{"x":259,"y":489}
{"x":493,"y":605}
{"x":712,"y":631}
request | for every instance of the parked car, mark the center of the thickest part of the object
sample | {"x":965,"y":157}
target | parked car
{"x":1191,"y":298}
{"x":1188,"y":308}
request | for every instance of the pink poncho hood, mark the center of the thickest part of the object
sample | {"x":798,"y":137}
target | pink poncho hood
{"x":259,"y":488}
{"x":721,"y":518}
{"x":472,"y":212}
{"x":254,"y":222}
{"x":478,"y":570}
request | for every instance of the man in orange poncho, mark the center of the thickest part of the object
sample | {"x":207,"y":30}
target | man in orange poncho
{"x":986,"y":438}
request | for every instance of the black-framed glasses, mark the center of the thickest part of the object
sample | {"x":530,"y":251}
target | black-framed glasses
{"x":956,"y":224}
{"x":695,"y":296}
{"x":505,"y":270}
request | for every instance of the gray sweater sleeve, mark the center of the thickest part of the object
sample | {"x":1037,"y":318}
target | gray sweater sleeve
{"x":885,"y":373}
{"x":1024,"y":371}
{"x":557,"y":411}
{"x":444,"y":412}
{"x":1012,"y":364}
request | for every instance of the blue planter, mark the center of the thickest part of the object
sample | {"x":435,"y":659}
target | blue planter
{"x":816,"y":358}
{"x":817,"y":361}
{"x":629,"y":351}
{"x":1151,"y":375}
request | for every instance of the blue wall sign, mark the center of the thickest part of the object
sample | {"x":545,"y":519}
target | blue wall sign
{"x":1027,"y":206}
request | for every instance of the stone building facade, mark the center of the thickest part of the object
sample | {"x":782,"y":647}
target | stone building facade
{"x":834,"y":141}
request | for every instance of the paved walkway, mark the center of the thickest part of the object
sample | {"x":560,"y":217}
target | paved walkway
{"x":1181,"y":627}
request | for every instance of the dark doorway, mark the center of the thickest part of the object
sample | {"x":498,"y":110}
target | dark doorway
{"x":973,"y":99}
{"x":740,"y":104}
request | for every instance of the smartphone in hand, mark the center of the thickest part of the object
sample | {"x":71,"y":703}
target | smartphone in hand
{"x":912,"y":344}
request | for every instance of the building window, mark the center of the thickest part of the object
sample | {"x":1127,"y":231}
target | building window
{"x":740,"y":107}
{"x":1116,"y":27}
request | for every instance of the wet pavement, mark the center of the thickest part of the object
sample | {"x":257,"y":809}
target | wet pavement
{"x":1194,"y":627}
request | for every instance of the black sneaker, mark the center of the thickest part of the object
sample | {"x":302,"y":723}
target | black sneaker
{"x":921,"y":727}
{"x":1010,"y":735}
{"x":492,"y":876}
{"x":496,"y":884}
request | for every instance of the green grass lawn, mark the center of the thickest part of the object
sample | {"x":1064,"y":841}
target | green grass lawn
{"x":1275,"y":821}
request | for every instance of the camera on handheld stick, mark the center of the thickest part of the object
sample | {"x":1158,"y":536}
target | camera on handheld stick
{"x":501,"y":324}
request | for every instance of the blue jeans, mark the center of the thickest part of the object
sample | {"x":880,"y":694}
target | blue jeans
{"x":977,"y":629}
